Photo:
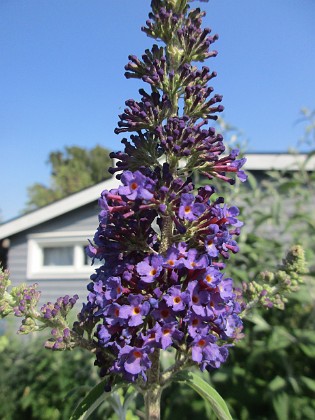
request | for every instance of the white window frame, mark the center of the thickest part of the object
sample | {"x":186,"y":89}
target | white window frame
{"x":35,"y":255}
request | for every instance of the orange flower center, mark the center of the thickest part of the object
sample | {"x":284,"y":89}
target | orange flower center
{"x":165,"y":313}
{"x":134,"y":186}
{"x":209,"y":278}
{"x":136,"y":310}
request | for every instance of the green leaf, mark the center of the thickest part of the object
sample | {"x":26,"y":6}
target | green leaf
{"x":280,"y":339}
{"x":308,"y":350}
{"x":309,"y":382}
{"x":280,"y":404}
{"x":252,"y":181}
{"x":260,"y":323}
{"x":217,"y":403}
{"x":90,"y":402}
{"x":277,"y":384}
{"x":306,"y":342}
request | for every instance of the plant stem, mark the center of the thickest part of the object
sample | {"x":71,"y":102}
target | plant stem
{"x":152,"y":402}
{"x":153,"y":390}
{"x":167,"y":234}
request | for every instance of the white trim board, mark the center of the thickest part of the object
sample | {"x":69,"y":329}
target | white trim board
{"x":276,"y":161}
{"x":37,"y":243}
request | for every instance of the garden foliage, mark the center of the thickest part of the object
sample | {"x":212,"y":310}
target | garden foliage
{"x":271,"y":372}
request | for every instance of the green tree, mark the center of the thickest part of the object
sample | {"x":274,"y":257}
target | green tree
{"x":72,"y":170}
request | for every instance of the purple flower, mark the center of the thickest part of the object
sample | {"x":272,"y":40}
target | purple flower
{"x":197,"y":324}
{"x":135,"y":311}
{"x":147,"y":114}
{"x":152,"y":336}
{"x":237,"y":164}
{"x":233,"y":326}
{"x":217,"y":306}
{"x":113,"y":316}
{"x":133,"y":361}
{"x":188,"y":209}
{"x":136,"y":185}
{"x":150,"y":268}
{"x":207,"y":353}
{"x":176,"y":299}
{"x":211,"y":276}
{"x":163,"y":313}
{"x":169,"y":334}
{"x":198,"y":298}
{"x":162,"y":239}
{"x":113,"y":288}
{"x":195,"y":261}
{"x":210,"y":240}
{"x":228,"y":214}
{"x":103,"y":335}
{"x":226,"y":289}
{"x":173,"y":258}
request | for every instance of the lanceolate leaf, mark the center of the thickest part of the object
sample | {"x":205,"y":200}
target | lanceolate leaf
{"x":217,"y":403}
{"x":90,"y":403}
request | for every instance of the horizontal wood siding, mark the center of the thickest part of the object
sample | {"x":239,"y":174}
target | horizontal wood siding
{"x":53,"y":289}
{"x":83,"y":219}
{"x":17,"y":259}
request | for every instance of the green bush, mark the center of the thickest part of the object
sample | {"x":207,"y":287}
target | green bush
{"x":39,"y":384}
{"x":270,"y":374}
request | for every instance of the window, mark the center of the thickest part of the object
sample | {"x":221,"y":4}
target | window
{"x":59,"y":255}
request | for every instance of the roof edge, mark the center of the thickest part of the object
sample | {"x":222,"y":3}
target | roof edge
{"x":56,"y":209}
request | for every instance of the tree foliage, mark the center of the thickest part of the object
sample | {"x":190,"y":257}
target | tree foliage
{"x":72,"y":170}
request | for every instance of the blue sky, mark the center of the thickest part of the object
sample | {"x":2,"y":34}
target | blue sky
{"x":62,"y":83}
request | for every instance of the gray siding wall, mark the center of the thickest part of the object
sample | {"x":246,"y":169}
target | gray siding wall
{"x":17,"y":259}
{"x":83,"y":219}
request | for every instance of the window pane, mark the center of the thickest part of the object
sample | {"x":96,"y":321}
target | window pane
{"x":58,"y":256}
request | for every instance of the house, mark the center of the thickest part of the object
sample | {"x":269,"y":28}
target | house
{"x":47,"y":245}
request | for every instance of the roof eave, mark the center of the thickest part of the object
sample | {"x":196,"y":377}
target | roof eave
{"x":55,"y":209}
